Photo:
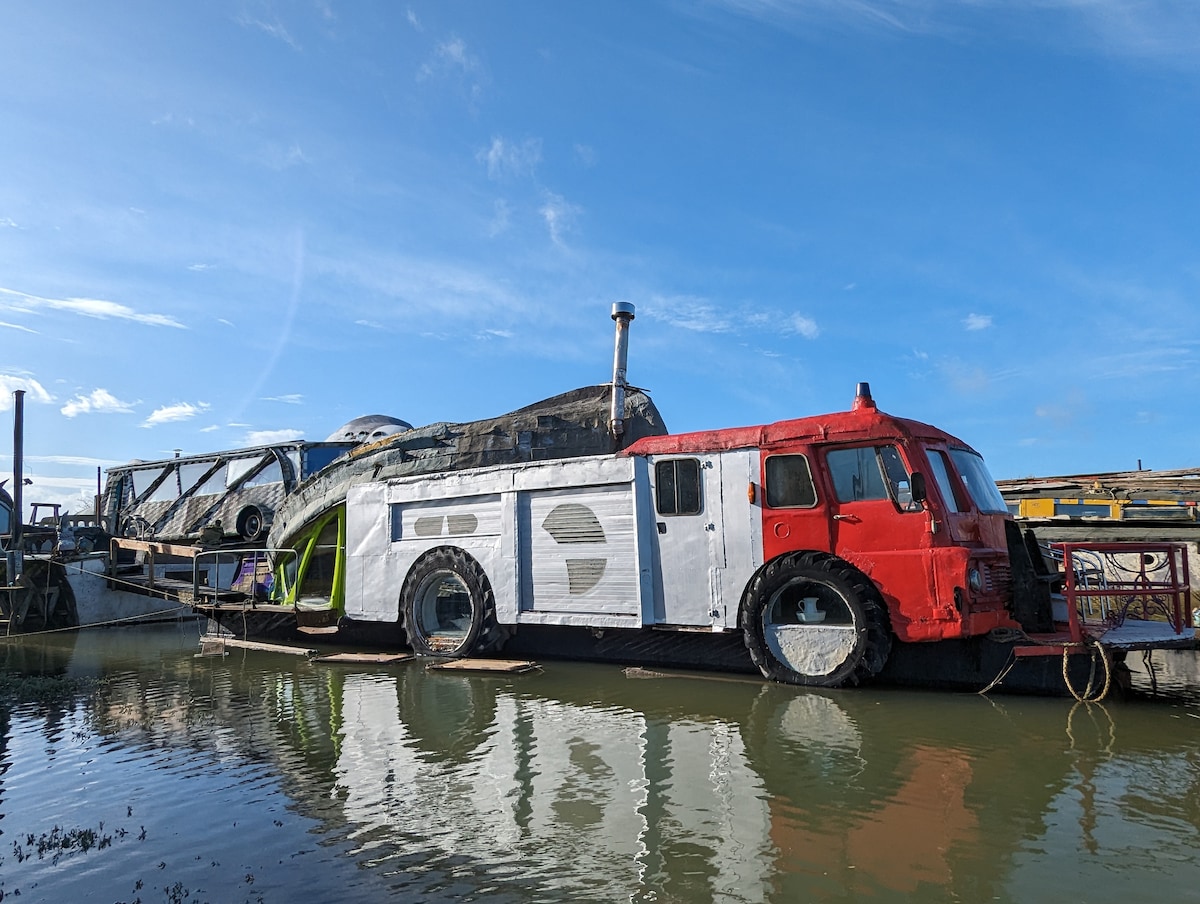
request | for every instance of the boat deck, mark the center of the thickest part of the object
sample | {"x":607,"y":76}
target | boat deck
{"x":1131,"y":634}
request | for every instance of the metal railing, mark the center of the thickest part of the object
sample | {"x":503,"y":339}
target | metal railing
{"x":274,"y":566}
{"x":1105,"y":583}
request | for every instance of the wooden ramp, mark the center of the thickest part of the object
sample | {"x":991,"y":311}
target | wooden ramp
{"x":510,"y":666}
{"x":217,"y":643}
{"x":365,"y":658}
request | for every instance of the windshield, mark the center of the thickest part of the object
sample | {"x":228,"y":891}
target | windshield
{"x":978,"y":481}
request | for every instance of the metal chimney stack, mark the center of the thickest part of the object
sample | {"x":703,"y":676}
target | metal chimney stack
{"x":622,"y":313}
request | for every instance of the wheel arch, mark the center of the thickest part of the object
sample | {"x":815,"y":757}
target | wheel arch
{"x":812,"y":554}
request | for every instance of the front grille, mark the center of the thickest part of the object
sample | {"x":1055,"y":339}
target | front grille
{"x":997,"y":577}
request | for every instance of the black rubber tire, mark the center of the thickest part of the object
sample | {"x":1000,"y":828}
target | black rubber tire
{"x":252,"y":524}
{"x":838,"y":586}
{"x":476,"y":631}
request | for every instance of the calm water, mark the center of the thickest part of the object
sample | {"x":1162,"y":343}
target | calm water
{"x":257,"y":777}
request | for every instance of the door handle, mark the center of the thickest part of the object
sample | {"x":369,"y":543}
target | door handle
{"x":853,"y":519}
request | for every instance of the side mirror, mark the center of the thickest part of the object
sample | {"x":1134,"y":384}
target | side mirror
{"x":917,"y":485}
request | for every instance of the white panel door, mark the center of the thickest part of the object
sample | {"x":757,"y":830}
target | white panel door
{"x":578,"y":551}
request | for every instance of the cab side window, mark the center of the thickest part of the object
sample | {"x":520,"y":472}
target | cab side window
{"x":940,"y":465}
{"x":677,"y":486}
{"x":870,"y":472}
{"x":789,"y":482}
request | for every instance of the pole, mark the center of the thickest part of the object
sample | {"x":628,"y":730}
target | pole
{"x":622,"y":313}
{"x":18,"y":466}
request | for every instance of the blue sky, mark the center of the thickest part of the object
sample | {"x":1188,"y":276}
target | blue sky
{"x":224,"y":222}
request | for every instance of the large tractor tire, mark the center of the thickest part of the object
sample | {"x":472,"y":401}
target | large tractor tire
{"x":813,"y":619}
{"x":448,"y":606}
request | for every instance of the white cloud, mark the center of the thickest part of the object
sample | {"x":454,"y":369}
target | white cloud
{"x":702,"y":316}
{"x":804,"y":326}
{"x":455,"y":52}
{"x":85,"y":307}
{"x":506,"y":160}
{"x":274,"y":29}
{"x":77,"y":461}
{"x":17,"y":326}
{"x":98,"y":401}
{"x":450,"y":56}
{"x":9,"y":222}
{"x":689,"y":313}
{"x":293,"y":398}
{"x":268,"y":437}
{"x":975,"y":322}
{"x":559,"y":215}
{"x":413,"y":20}
{"x":182,"y":411}
{"x":10,"y":383}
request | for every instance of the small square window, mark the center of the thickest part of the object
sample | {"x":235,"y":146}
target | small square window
{"x":677,"y":486}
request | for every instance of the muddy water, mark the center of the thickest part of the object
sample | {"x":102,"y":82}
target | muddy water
{"x":141,"y":771}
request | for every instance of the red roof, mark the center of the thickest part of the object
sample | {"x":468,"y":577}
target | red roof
{"x":865,"y":422}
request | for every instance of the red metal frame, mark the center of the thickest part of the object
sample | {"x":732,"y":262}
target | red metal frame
{"x":1143,"y":593}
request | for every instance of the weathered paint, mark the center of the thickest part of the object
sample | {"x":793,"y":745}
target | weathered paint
{"x":811,"y":649}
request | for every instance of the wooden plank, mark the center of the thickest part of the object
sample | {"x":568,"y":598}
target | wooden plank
{"x":485,"y":665}
{"x":367,"y":658}
{"x":219,"y":641}
{"x":166,"y":549}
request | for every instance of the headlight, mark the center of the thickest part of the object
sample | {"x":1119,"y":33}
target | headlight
{"x":975,"y":579}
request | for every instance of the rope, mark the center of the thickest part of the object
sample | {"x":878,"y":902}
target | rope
{"x":1012,"y":635}
{"x":178,"y":609}
{"x":1087,"y":697}
{"x":1008,"y":667}
{"x":8,"y":638}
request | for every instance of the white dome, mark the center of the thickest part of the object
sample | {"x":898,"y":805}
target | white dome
{"x":368,"y":428}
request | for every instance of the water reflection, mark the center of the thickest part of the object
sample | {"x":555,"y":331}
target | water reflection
{"x":584,"y":782}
